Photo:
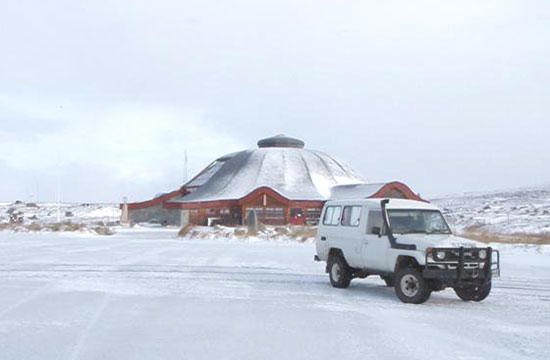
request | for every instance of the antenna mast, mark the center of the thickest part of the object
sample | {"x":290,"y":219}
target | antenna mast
{"x":185,"y":167}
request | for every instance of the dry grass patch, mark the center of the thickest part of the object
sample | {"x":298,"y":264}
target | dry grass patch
{"x":186,"y":230}
{"x":34,"y":227}
{"x":240,"y":232}
{"x":475,"y":233}
{"x":4,"y":226}
{"x":298,"y":233}
{"x":58,"y":227}
{"x":302,"y":233}
{"x":66,"y":226}
{"x":103,"y":230}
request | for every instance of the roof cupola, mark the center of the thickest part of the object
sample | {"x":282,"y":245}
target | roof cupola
{"x":281,"y":141}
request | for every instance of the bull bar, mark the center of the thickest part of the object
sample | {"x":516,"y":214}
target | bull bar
{"x":462,"y":266}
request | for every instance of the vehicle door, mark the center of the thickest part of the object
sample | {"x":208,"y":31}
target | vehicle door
{"x":351,"y":234}
{"x":328,"y":229}
{"x":375,"y":245}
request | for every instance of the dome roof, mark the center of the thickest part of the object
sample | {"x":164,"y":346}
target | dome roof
{"x":280,"y":163}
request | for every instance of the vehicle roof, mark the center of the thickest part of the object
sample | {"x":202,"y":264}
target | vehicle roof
{"x":393,"y":204}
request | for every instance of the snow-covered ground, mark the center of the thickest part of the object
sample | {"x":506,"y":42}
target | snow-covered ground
{"x":46,"y":213}
{"x":512,"y":212}
{"x":142,"y":294}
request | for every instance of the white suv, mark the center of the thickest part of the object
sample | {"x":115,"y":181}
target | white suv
{"x":408,"y":244}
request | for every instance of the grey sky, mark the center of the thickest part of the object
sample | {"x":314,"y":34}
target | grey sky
{"x":448,"y":96}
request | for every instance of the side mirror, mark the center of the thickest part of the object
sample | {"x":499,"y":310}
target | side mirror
{"x":377,"y":231}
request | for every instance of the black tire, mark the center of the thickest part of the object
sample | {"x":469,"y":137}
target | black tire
{"x":473,"y":293}
{"x":339,"y":272}
{"x":410,"y":286}
{"x":388,"y":280}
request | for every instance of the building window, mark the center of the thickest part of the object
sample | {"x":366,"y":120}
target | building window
{"x":296,"y":212}
{"x":274,"y":213}
{"x":312,"y":216}
{"x":269,"y":215}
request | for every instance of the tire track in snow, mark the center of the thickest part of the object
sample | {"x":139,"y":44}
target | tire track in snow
{"x":193,"y":275}
{"x":24,"y":300}
{"x":537,"y":289}
{"x":39,"y":266}
{"x":160,"y":270}
{"x":75,"y":354}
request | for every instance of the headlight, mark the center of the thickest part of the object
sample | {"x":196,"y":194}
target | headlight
{"x":482,"y":254}
{"x":440,"y":255}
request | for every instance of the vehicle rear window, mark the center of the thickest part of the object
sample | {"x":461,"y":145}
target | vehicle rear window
{"x":332,"y":215}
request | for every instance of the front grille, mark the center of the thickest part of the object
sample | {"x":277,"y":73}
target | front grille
{"x":467,"y":266}
{"x":468,"y":255}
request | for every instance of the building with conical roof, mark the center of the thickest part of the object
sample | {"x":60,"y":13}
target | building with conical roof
{"x":281,"y":180}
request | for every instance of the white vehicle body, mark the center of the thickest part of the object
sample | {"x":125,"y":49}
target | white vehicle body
{"x":362,"y":249}
{"x":357,"y":230}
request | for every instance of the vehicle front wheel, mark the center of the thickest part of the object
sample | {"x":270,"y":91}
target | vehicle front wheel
{"x":473,"y":293}
{"x":410,"y":286}
{"x":339,"y":272}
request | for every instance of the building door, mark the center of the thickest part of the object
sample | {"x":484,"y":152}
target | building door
{"x":297,"y":216}
{"x":184,"y":220}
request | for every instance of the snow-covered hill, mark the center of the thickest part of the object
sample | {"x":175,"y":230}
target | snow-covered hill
{"x":96,"y":218}
{"x":513,"y":213}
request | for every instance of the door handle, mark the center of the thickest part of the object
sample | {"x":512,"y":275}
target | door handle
{"x":323,"y":238}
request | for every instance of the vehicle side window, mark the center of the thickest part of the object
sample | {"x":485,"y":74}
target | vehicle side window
{"x":327,"y":219}
{"x":375,"y":220}
{"x":351,"y":216}
{"x":336,"y":215}
{"x":332,"y":215}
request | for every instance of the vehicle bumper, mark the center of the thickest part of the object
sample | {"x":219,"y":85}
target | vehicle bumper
{"x":463,"y":268}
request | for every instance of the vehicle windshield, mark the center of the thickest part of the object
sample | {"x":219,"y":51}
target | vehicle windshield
{"x":417,"y":222}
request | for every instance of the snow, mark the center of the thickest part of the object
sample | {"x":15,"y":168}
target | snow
{"x":297,"y":174}
{"x":355,"y":191}
{"x":512,"y":212}
{"x":46,"y":213}
{"x":144,"y":294}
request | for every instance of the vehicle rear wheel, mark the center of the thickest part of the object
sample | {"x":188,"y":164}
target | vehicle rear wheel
{"x":410,"y":286}
{"x":388,"y":280}
{"x":339,"y":272}
{"x":473,"y":293}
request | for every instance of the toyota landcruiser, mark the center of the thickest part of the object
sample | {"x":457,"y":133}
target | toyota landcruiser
{"x":409,"y":244}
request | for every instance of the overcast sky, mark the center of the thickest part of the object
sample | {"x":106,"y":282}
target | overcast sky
{"x":447,"y":96}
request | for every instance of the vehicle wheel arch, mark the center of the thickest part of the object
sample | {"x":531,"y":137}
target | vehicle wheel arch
{"x":404,"y":261}
{"x":335,"y":252}
{"x":339,"y":271}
